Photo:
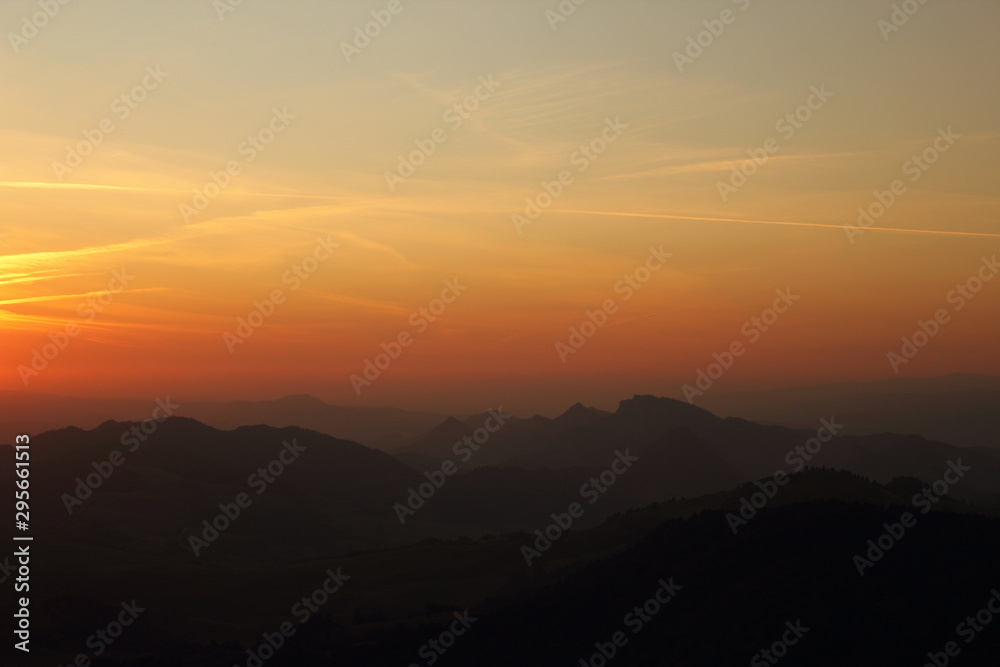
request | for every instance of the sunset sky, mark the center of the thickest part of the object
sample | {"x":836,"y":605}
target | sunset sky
{"x":609,"y":67}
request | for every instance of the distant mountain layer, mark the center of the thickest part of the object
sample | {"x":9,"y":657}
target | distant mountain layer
{"x":957,"y":409}
{"x":166,"y":483}
{"x":384,"y":428}
{"x":692,"y":452}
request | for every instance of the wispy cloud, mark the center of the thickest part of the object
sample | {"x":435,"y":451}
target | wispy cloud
{"x":776,"y":222}
{"x":19,"y":264}
{"x":368,"y":243}
{"x":39,"y":185}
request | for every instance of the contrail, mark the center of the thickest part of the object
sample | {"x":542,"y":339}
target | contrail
{"x":63,"y":186}
{"x":41,"y":185}
{"x":778,"y":222}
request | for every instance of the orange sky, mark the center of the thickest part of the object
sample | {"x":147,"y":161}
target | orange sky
{"x":196,"y":87}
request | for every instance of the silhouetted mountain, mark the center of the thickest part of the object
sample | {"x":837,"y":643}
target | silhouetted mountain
{"x":440,"y":440}
{"x":316,"y":503}
{"x":384,"y":427}
{"x":714,"y":454}
{"x":959,"y":409}
{"x":163,"y":490}
{"x":683,"y":463}
{"x":365,"y":425}
{"x":580,"y":436}
{"x":580,"y":415}
{"x":25,"y":412}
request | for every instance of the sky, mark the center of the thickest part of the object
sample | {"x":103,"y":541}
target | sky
{"x":170,"y":167}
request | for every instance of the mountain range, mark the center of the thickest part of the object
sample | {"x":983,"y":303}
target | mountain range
{"x":436,"y":527}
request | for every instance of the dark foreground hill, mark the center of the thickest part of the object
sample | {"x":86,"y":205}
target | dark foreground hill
{"x":794,"y":565}
{"x":308,"y":495}
{"x":792,"y":560}
{"x":223,"y":538}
